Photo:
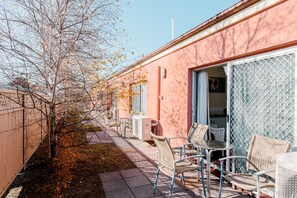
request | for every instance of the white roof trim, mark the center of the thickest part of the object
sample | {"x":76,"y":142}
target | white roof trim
{"x":229,"y":20}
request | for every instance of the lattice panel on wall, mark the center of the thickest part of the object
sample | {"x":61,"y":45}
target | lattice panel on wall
{"x":262,"y":101}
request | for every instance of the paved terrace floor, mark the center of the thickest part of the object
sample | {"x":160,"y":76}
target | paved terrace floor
{"x":138,"y":182}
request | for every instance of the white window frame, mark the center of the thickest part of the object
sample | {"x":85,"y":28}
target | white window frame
{"x":142,"y":107}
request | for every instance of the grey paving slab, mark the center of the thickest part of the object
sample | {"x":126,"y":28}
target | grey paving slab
{"x":150,"y":175}
{"x":120,"y":194}
{"x":112,"y":133}
{"x":181,"y":194}
{"x":98,"y":137}
{"x":196,"y":192}
{"x":137,"y":181}
{"x":135,"y":157}
{"x":123,"y":146}
{"x":145,"y":191}
{"x":164,"y":188}
{"x":144,"y":164}
{"x":130,"y":173}
{"x":110,"y":176}
{"x":114,"y":185}
{"x":227,"y":192}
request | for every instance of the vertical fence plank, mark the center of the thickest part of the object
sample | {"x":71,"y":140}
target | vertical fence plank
{"x":20,"y":135}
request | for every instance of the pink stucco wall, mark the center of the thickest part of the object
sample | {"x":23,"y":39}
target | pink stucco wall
{"x":271,"y":29}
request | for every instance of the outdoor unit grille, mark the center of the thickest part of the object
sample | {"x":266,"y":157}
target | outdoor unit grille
{"x":261,"y":101}
{"x":141,"y":127}
{"x":286,"y":176}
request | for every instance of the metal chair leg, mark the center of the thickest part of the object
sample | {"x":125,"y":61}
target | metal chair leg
{"x":172,"y":183}
{"x":183,"y":178}
{"x":155,"y":184}
{"x":221,"y":180}
{"x":202,"y":176}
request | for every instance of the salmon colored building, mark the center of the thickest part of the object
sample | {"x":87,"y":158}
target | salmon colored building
{"x":236,"y":71}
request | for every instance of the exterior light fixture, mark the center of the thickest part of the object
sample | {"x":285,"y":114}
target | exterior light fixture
{"x":163,"y":72}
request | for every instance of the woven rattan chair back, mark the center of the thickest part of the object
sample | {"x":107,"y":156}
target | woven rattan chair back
{"x":198,"y":132}
{"x":218,"y":133}
{"x":166,"y":157}
{"x":262,"y":153}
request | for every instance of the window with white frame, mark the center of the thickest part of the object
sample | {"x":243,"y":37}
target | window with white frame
{"x":138,"y":99}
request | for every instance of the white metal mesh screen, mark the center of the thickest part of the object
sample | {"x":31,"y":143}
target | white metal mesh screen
{"x":262,"y":100}
{"x":287,"y":183}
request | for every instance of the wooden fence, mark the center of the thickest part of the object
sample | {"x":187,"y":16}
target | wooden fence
{"x":21,"y":132}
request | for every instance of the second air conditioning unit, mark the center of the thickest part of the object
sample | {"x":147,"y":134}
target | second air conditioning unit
{"x":141,"y":127}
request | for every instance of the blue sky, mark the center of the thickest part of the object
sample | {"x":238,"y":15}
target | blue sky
{"x":148,"y":22}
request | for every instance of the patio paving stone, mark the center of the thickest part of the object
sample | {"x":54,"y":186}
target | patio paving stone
{"x":144,"y":164}
{"x":145,"y":191}
{"x":137,"y":181}
{"x":130,"y":173}
{"x":120,"y":194}
{"x":164,"y":188}
{"x":114,"y":185}
{"x":98,"y":137}
{"x":135,"y":157}
{"x":110,"y":176}
{"x":181,"y":194}
{"x":150,"y":176}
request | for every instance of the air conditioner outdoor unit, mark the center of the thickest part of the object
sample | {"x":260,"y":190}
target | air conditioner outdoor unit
{"x":141,"y":127}
{"x":286,"y":175}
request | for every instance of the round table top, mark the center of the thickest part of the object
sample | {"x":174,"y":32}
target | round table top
{"x":213,"y":145}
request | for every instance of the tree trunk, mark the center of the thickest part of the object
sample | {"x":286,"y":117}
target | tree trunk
{"x":53,"y":135}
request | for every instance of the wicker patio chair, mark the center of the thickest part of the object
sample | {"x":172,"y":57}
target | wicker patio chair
{"x":172,"y":167}
{"x":196,"y":132}
{"x":261,"y":161}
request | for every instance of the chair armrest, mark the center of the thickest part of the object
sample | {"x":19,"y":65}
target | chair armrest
{"x":186,"y":158}
{"x":232,"y":157}
{"x":171,"y":138}
{"x":259,"y":173}
{"x":239,"y":157}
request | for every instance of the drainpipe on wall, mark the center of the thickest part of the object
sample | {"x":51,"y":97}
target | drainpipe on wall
{"x":159,"y":93}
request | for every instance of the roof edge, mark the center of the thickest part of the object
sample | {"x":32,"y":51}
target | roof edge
{"x":237,"y":7}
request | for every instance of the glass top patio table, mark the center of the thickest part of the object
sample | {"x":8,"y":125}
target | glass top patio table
{"x":213,"y":145}
{"x":210,"y":146}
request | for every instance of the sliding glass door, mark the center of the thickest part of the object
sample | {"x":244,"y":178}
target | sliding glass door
{"x":261,"y":99}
